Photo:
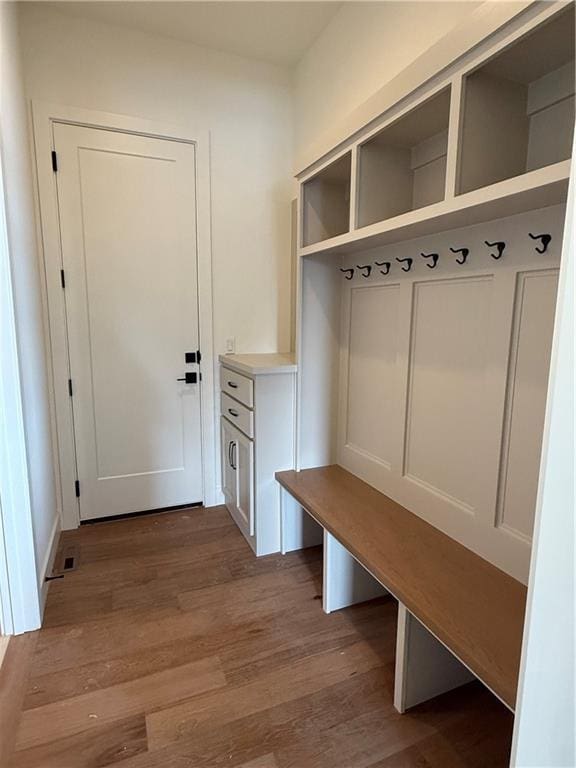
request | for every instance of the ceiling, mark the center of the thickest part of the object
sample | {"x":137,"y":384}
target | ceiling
{"x":278,"y":32}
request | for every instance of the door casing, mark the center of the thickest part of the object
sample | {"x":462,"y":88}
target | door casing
{"x":44,"y":117}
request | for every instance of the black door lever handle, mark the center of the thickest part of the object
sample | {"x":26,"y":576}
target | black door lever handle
{"x":189,"y":378}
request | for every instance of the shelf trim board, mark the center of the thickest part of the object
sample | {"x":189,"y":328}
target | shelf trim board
{"x":354,"y":187}
{"x":455,"y":123}
{"x":540,"y":188}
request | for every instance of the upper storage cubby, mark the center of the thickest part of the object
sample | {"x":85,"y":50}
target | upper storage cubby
{"x":326,"y":202}
{"x":518,"y":111}
{"x":403,"y":167}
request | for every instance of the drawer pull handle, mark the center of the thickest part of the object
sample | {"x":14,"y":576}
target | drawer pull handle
{"x":234,"y":413}
{"x":232,"y":385}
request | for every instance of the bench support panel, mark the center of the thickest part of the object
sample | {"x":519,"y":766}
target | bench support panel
{"x":298,"y":529}
{"x":346,"y":582}
{"x":425,"y":668}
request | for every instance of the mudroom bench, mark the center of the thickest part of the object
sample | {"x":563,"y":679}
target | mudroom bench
{"x":459,"y":616}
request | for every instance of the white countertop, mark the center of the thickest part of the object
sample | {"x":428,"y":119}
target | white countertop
{"x":260,"y":364}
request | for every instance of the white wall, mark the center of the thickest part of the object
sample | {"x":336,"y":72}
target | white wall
{"x":245,"y":104}
{"x":546,"y":716}
{"x":362,"y":48}
{"x":21,"y":230}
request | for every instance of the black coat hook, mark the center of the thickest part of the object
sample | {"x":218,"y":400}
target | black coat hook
{"x":545,"y":239}
{"x":348,"y":273}
{"x":464,"y":252}
{"x":499,"y":245}
{"x":433,"y":256}
{"x":385,"y":264}
{"x":367,"y":269}
{"x":408,"y":261}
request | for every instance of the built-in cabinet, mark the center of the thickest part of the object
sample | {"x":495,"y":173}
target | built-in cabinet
{"x":238,"y":476}
{"x":425,"y":326}
{"x":493,"y":139}
{"x":257,"y":423}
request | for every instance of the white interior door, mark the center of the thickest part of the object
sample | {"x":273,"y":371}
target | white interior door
{"x":128,"y":229}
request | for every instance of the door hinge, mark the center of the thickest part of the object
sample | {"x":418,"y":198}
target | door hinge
{"x":62,"y":279}
{"x":54,"y":161}
{"x":77,"y":488}
{"x":70,"y":387}
{"x":198,"y":356}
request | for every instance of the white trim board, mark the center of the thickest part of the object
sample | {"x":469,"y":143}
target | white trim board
{"x":48,"y":564}
{"x":19,"y":596}
{"x":44,"y":116}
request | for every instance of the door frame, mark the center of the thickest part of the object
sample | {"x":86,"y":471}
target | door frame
{"x":44,"y":116}
{"x":20,"y":592}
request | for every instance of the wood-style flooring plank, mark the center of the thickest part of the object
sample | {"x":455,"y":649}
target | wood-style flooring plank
{"x":296,"y":726}
{"x":155,"y":600}
{"x":293,"y":681}
{"x":107,"y":745}
{"x":259,"y":644}
{"x":13,"y":677}
{"x":266,"y":761}
{"x":70,"y":716}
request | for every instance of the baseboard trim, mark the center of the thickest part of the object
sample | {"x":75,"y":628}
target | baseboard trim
{"x":49,"y":563}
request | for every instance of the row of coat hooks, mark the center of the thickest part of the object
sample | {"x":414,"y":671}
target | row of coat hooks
{"x":497,"y":249}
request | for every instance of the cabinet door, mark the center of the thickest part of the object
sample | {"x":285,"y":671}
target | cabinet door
{"x":229,"y":473}
{"x":243,"y":460}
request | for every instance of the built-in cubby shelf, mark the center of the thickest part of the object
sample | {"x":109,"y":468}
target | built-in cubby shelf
{"x":492,"y":139}
{"x":326,"y":202}
{"x":518,"y":107}
{"x":403,"y":167}
{"x":541,"y":188}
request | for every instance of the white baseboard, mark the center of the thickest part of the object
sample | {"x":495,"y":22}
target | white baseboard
{"x":49,"y":562}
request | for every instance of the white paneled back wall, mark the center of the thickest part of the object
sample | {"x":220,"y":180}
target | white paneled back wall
{"x":443,"y":376}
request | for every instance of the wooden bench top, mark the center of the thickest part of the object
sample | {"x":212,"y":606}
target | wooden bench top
{"x":474,"y":608}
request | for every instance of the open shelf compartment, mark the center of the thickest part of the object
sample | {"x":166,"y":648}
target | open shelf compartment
{"x":403,"y":167}
{"x":518,"y":110}
{"x":326,"y":202}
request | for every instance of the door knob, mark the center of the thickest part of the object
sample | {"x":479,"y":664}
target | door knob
{"x":189,"y":378}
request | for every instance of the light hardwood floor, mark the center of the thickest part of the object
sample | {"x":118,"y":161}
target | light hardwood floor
{"x":171,"y":646}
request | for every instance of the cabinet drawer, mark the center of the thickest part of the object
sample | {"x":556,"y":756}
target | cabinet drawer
{"x":240,"y":387}
{"x":237,"y":414}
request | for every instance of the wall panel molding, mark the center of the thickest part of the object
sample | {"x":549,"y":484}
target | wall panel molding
{"x":463,"y":372}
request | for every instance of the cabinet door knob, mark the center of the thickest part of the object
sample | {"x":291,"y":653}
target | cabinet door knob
{"x":232,"y":385}
{"x":234,"y":413}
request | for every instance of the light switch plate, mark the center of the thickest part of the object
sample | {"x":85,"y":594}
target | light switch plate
{"x":231,"y":345}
